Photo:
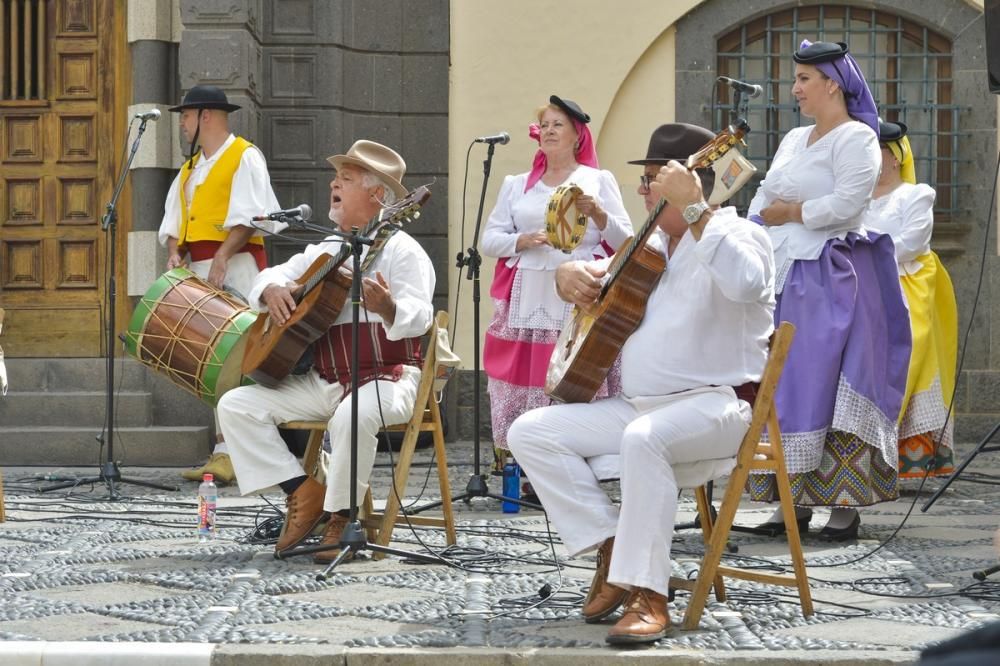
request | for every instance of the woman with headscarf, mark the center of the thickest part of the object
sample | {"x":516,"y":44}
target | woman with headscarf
{"x":839,"y":398}
{"x":528,"y":314}
{"x":904,"y":209}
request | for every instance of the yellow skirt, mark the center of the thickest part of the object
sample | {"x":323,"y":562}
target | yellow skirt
{"x":925,"y":443}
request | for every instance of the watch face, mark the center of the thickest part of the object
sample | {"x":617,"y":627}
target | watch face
{"x":693,"y":212}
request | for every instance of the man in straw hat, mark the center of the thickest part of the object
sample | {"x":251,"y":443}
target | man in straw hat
{"x":687,"y":381}
{"x":396,"y":310}
{"x":207,"y":215}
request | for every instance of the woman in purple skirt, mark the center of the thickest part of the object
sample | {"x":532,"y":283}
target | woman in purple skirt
{"x":839,"y":398}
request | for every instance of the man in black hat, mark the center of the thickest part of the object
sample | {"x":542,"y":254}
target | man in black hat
{"x":687,"y":377}
{"x":207,"y":215}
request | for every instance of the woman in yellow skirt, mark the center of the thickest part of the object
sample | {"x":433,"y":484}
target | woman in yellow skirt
{"x":904,"y":209}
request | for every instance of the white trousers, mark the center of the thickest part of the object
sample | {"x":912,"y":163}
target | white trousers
{"x":651,"y":434}
{"x":249,"y":416}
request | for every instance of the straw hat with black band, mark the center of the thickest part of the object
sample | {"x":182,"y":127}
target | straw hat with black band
{"x":381,"y":160}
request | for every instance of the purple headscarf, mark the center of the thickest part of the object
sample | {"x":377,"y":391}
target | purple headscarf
{"x":846,"y":72}
{"x":586,"y":154}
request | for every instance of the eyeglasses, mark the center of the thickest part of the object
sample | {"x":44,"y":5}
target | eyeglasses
{"x":645,"y":180}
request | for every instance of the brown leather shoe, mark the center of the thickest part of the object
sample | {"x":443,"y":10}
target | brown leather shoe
{"x":304,"y":510}
{"x":331,"y":537}
{"x":603,"y":598}
{"x":645,"y":620}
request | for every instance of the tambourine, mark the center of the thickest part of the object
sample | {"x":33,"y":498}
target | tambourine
{"x":564,"y":224}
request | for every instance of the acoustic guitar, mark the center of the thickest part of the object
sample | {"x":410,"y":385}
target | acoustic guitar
{"x":592,"y":339}
{"x":273,"y":350}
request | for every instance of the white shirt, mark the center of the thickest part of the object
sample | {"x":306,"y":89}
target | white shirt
{"x":833,"y":179}
{"x":251,"y":193}
{"x":906,"y":214}
{"x":518,"y":212}
{"x":709,"y":317}
{"x":404,"y":264}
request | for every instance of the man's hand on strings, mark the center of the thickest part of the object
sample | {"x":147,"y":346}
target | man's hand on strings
{"x":280,"y":300}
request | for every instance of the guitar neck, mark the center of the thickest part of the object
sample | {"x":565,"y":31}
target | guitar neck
{"x":335,"y":262}
{"x":637,"y":243}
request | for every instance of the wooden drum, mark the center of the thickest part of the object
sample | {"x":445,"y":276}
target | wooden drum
{"x":191,"y":331}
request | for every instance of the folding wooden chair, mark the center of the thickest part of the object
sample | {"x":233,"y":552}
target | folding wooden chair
{"x":753,"y":454}
{"x":426,"y":418}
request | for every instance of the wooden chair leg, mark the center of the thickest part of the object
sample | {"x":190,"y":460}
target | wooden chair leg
{"x":705,"y":516}
{"x":717,"y":544}
{"x":3,"y":513}
{"x":367,"y":509}
{"x":443,"y":482}
{"x":400,"y":476}
{"x":311,"y":458}
{"x":791,"y":525}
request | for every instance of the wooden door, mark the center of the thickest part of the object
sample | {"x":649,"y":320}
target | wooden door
{"x":62,"y":116}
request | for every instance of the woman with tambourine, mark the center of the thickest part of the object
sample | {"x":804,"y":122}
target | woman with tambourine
{"x":564,"y":208}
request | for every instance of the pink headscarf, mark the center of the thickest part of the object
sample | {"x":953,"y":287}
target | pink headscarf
{"x":585,"y":154}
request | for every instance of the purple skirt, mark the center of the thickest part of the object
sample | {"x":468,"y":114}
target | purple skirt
{"x":846,"y":370}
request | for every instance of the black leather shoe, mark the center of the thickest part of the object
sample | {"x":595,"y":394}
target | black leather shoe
{"x":774,"y":529}
{"x":849,"y":533}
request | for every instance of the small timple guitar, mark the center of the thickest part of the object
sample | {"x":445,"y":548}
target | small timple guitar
{"x":272,"y":350}
{"x":590,"y":342}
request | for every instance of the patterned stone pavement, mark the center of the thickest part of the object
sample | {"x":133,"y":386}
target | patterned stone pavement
{"x":74,"y":566}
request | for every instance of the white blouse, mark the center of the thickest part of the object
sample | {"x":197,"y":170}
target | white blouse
{"x":833,"y":179}
{"x":251,"y":193}
{"x":709,"y":317}
{"x":906,"y":214}
{"x":518,"y":212}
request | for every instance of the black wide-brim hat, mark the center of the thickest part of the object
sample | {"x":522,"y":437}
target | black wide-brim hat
{"x":674,"y":141}
{"x":571,"y":108}
{"x":819,"y":52}
{"x":205,"y":97}
{"x":891,"y":131}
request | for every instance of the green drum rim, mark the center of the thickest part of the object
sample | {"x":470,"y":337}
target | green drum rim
{"x":229,"y":337}
{"x":144,"y":308}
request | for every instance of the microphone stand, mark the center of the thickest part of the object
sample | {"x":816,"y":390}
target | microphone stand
{"x":477,"y":486}
{"x":109,"y":473}
{"x":353,"y":539}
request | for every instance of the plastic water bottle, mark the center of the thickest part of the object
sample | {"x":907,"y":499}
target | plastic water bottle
{"x":208,"y":499}
{"x":511,"y":487}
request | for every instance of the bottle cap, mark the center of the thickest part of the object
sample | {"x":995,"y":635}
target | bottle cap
{"x":208,"y":477}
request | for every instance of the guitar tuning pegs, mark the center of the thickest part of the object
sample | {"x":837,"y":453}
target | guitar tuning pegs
{"x":416,"y":214}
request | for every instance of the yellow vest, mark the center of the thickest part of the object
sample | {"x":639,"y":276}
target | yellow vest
{"x":203,"y":220}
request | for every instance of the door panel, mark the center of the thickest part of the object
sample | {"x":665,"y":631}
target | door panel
{"x":61,"y":113}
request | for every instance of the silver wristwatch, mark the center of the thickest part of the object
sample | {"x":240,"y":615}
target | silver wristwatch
{"x":693,"y":212}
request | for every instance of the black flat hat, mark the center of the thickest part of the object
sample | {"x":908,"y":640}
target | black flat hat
{"x":205,"y":97}
{"x":888,"y":131}
{"x":818,"y":52}
{"x":571,"y":108}
{"x":674,"y":141}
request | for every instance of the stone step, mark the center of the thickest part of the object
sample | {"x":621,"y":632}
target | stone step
{"x":168,"y":446}
{"x":73,"y":374}
{"x":78,"y":408}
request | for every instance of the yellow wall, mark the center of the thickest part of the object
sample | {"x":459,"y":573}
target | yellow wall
{"x":615,"y":59}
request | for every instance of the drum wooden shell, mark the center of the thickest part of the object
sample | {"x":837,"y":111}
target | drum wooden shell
{"x":191,"y":331}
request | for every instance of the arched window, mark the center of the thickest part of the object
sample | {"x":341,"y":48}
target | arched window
{"x":907,"y":66}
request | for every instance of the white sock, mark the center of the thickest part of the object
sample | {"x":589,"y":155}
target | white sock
{"x":841,"y":518}
{"x":220,"y":447}
{"x":779,"y":517}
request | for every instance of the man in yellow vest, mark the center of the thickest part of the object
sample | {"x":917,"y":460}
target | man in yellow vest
{"x":207,"y":219}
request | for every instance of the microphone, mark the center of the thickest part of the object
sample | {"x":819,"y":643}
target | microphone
{"x":303,"y":211}
{"x":502,"y":138}
{"x":749,"y":89}
{"x":152,"y":114}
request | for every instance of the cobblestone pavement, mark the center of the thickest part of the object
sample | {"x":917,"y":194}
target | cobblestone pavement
{"x":74,"y":566}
